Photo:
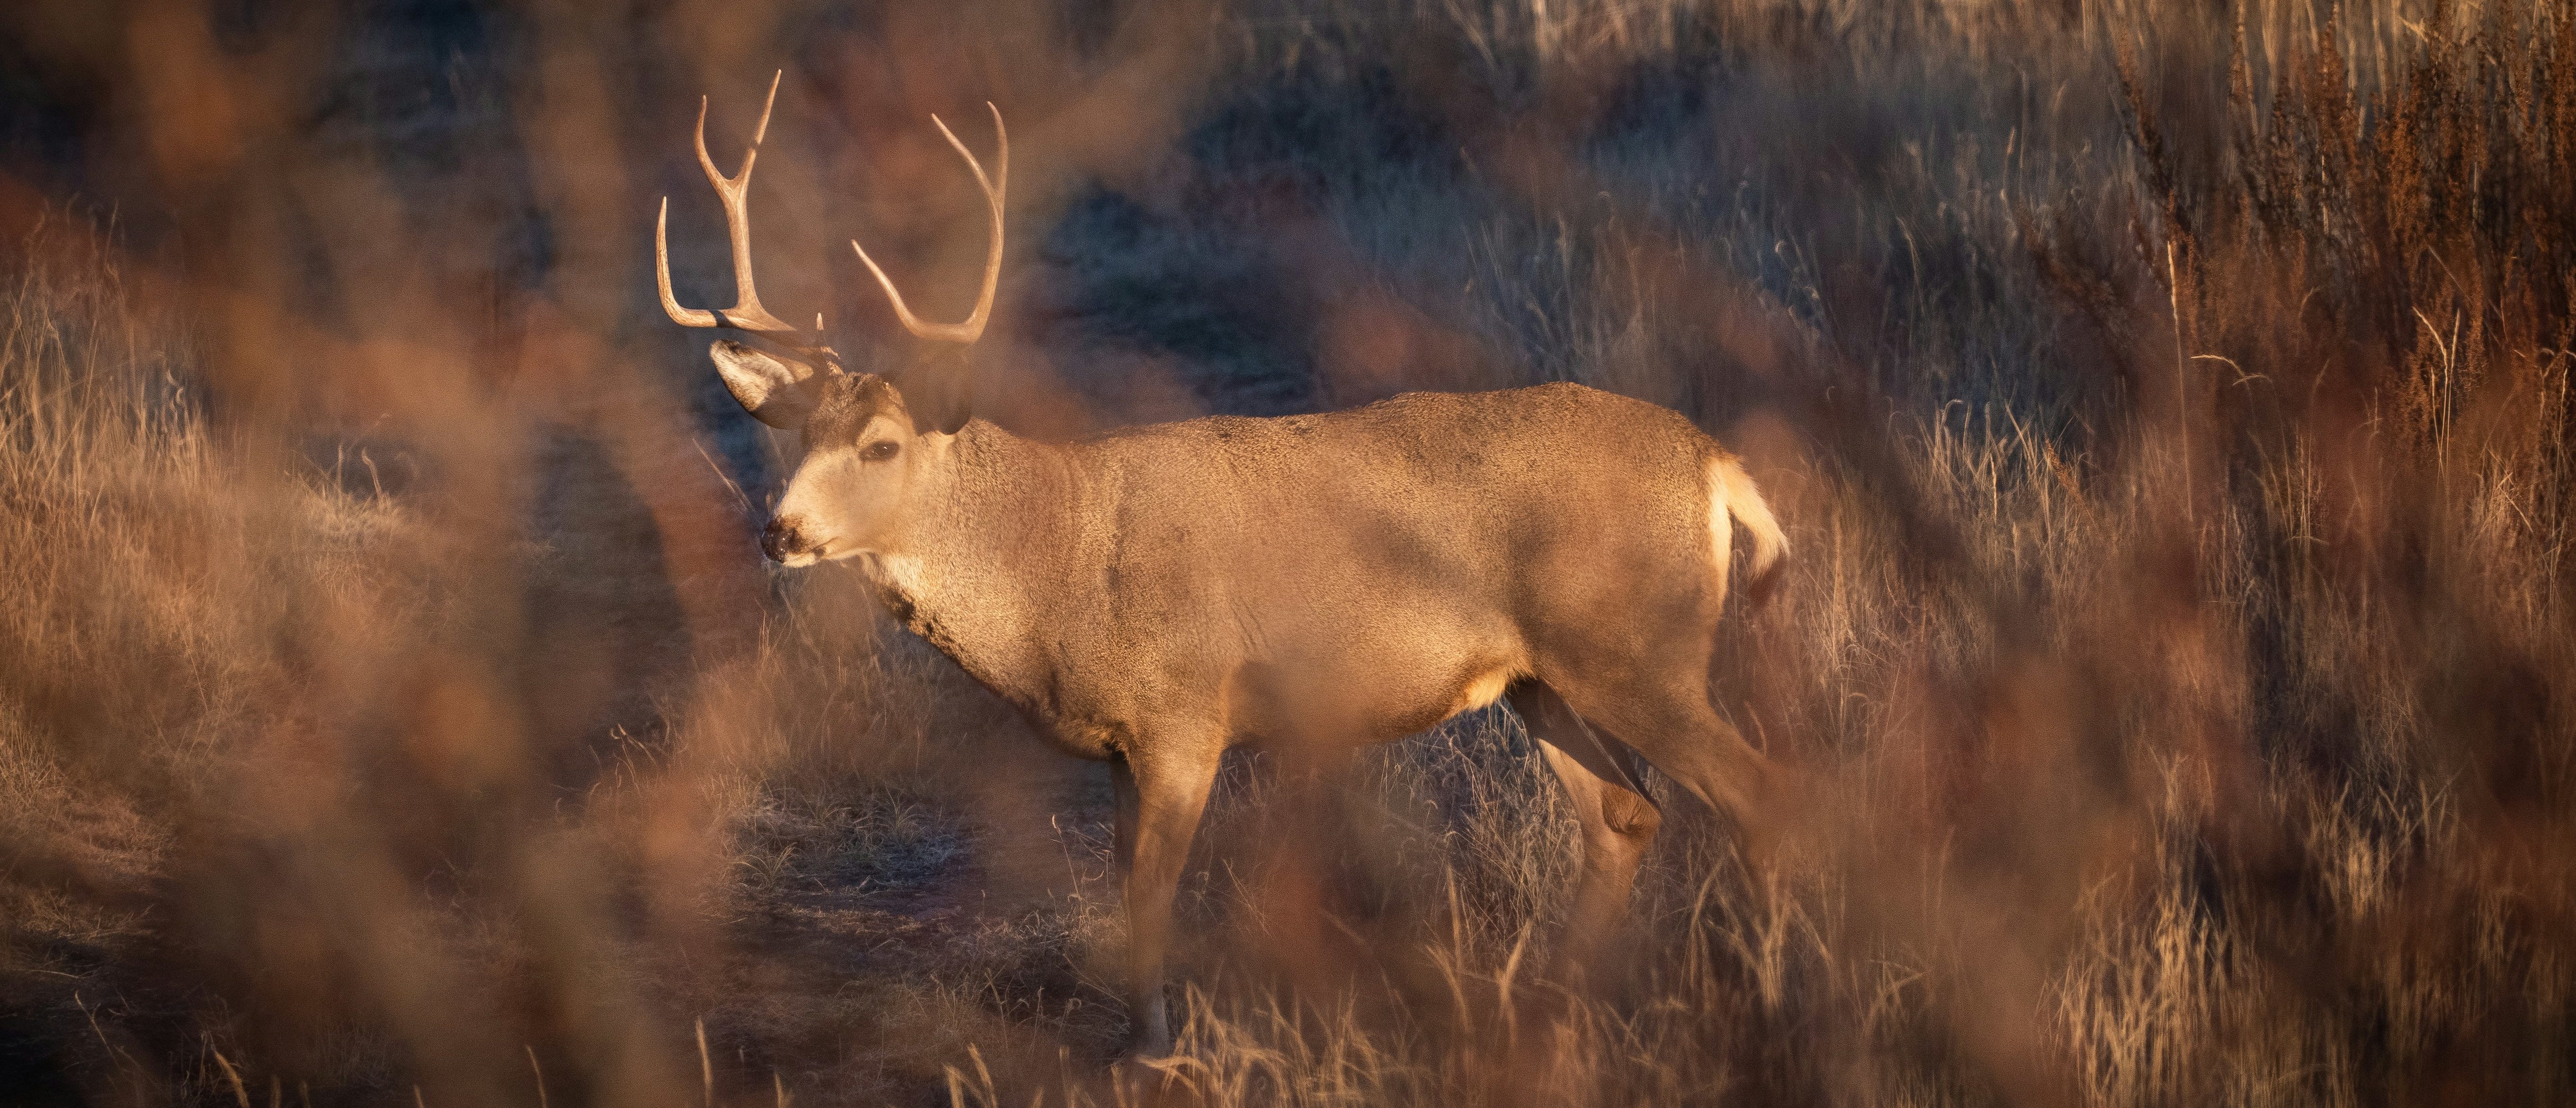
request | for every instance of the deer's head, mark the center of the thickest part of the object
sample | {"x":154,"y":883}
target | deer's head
{"x":866,"y":450}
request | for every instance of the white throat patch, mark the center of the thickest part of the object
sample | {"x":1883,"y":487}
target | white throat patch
{"x":900,"y":574}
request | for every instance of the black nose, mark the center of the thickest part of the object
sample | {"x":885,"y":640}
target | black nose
{"x":779,"y":539}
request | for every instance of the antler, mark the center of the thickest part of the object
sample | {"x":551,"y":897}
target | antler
{"x":735,"y":191}
{"x":993,"y":188}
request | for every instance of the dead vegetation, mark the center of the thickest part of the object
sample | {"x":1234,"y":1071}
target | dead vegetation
{"x":2168,"y":403}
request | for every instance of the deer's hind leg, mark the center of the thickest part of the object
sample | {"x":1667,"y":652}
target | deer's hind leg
{"x":1670,"y":723}
{"x":1617,"y":822}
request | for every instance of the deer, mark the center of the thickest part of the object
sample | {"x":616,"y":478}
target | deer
{"x":1155,"y":595}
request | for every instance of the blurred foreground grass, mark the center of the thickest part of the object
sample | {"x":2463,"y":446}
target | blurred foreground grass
{"x":2168,"y":404}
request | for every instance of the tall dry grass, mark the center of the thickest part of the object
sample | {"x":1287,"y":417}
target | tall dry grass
{"x":2168,"y":404}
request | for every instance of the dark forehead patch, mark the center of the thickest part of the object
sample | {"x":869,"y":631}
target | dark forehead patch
{"x":847,"y":403}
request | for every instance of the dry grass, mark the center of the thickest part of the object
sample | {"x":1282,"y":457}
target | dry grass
{"x":2169,"y":406}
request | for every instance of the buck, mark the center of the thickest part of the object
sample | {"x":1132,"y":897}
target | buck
{"x":1156,"y":595}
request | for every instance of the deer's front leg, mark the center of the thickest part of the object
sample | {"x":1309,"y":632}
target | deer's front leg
{"x":1161,"y":791}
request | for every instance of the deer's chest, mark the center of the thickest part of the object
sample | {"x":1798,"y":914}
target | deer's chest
{"x":990,"y":634}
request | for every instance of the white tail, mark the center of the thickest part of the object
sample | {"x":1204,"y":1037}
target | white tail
{"x":1732,"y":493}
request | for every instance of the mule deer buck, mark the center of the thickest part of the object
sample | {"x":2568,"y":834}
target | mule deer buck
{"x":1153,"y":596}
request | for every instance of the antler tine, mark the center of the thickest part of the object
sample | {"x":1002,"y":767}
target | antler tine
{"x":685,"y":317}
{"x":735,"y":193}
{"x":995,"y":188}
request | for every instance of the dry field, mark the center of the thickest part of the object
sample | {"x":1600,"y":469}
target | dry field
{"x":2168,"y":402}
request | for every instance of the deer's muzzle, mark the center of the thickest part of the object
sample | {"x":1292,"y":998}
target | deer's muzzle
{"x":781,"y":540}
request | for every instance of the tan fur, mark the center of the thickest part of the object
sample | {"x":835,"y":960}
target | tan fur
{"x":1154,"y":596}
{"x":1482,"y":691}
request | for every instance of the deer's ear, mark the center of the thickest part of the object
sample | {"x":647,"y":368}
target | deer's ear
{"x":774,"y":390}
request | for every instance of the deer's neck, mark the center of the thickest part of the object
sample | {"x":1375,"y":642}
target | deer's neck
{"x":980,"y":557}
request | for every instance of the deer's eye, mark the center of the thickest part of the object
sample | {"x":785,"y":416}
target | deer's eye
{"x":879,"y":451}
